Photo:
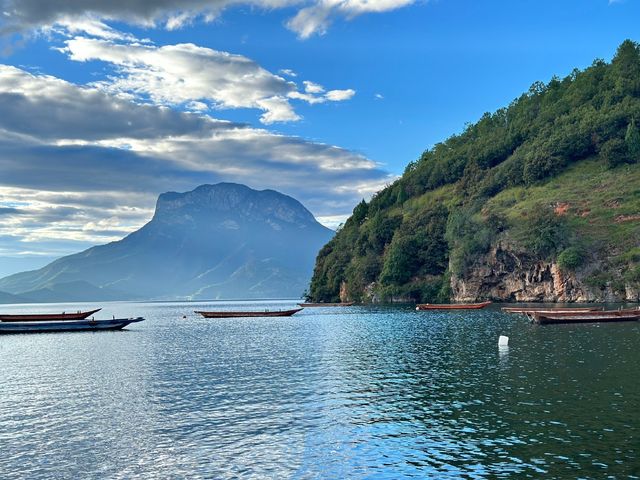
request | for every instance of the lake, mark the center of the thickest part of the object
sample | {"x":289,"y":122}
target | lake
{"x":371,"y":392}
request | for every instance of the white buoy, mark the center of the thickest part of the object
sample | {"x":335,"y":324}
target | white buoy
{"x":503,"y":341}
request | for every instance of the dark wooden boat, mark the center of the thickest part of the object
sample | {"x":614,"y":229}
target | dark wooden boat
{"x":628,"y":315}
{"x":320,"y":304}
{"x":47,"y":316}
{"x":66,"y":325}
{"x":452,"y":306}
{"x":549,"y":309}
{"x":231,"y":314}
{"x":603,"y":312}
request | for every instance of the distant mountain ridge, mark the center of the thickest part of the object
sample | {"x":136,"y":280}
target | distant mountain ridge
{"x":217,"y":241}
{"x":9,"y":298}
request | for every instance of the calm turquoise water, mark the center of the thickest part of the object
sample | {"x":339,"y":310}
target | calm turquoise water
{"x":359,"y":392}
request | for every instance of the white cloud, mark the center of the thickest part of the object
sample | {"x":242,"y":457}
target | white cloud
{"x":197,"y":78}
{"x":340,"y":95}
{"x":316,"y":18}
{"x":90,"y":26}
{"x":288,"y":72}
{"x":70,"y":218}
{"x":66,"y":111}
{"x":333,"y":221}
{"x":312,"y":88}
{"x":101,"y":161}
{"x":313,"y":17}
{"x":277,"y":109}
{"x":183,"y":73}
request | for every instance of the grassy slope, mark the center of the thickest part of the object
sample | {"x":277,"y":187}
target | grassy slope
{"x":572,"y":145}
{"x":599,"y":204}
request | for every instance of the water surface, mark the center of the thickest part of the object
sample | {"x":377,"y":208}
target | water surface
{"x":358,"y":392}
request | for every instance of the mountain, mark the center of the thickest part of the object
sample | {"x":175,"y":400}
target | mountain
{"x":217,"y":241}
{"x":539,"y":201}
{"x":8,"y":298}
{"x":74,"y":291}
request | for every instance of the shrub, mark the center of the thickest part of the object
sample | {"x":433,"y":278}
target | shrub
{"x":599,"y":280}
{"x":615,"y":152}
{"x":632,"y":141}
{"x":571,"y":258}
{"x":633,"y":275}
{"x":543,"y":233}
{"x":468,"y":237}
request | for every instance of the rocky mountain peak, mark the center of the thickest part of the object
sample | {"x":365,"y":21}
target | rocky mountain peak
{"x":232,"y":201}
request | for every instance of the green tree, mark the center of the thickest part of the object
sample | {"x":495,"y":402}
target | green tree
{"x":571,"y":258}
{"x":626,"y":68}
{"x":399,"y":261}
{"x":632,"y":141}
{"x":360,"y":212}
{"x":615,"y":152}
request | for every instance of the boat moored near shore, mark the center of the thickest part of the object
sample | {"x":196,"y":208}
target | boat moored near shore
{"x":627,"y":315}
{"x":252,"y":313}
{"x":37,"y":317}
{"x":550,"y":309}
{"x":452,"y":306}
{"x":66,"y":325}
{"x":320,"y":304}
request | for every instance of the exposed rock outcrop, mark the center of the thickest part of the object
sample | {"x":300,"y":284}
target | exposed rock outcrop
{"x":506,"y":275}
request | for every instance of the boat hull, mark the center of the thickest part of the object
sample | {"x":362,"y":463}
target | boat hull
{"x":66,"y":325}
{"x":452,"y":306}
{"x":342,"y":304}
{"x":602,"y":313}
{"x":278,"y":313}
{"x":48,"y":316}
{"x":595,"y":317}
{"x":550,"y":310}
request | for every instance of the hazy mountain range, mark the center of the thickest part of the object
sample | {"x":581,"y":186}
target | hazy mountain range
{"x":216,"y":242}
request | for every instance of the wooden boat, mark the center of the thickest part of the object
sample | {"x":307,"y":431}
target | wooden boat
{"x":267,"y":313}
{"x":38,"y":317}
{"x":586,"y":317}
{"x":66,"y":325}
{"x":320,"y":304}
{"x":603,"y":312}
{"x":549,"y":309}
{"x":452,"y":306}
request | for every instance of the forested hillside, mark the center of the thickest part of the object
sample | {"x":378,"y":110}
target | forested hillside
{"x":537,"y":201}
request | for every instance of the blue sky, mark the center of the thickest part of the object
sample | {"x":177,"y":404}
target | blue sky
{"x":107,"y":107}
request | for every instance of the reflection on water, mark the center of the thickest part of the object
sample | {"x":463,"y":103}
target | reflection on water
{"x":358,"y":392}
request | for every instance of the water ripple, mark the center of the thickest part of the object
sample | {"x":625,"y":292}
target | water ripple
{"x":361,"y":392}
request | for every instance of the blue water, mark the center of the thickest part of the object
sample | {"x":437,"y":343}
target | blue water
{"x":358,"y":392}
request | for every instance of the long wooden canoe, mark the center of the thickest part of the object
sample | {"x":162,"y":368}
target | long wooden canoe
{"x":602,"y":312}
{"x":320,"y":304}
{"x":66,"y":325}
{"x":39,"y":317}
{"x":452,"y":306}
{"x":611,"y":316}
{"x":549,"y":309}
{"x":267,"y":313}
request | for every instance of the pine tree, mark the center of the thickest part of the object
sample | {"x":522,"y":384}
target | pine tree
{"x":632,"y":139}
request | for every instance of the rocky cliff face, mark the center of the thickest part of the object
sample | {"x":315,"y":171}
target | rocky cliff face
{"x":506,"y":275}
{"x":231,"y":203}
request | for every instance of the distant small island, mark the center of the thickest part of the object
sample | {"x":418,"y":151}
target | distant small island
{"x":535,"y":202}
